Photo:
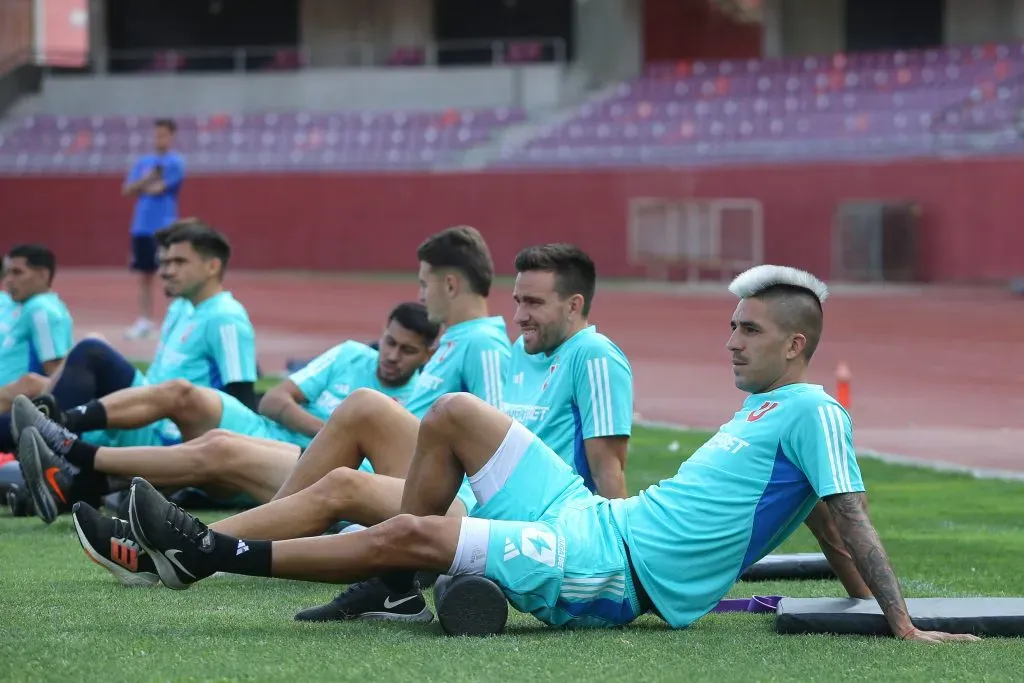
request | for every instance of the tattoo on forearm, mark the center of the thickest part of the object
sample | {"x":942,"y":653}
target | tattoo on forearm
{"x":865,"y":547}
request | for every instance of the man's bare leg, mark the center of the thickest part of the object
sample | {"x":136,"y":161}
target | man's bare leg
{"x":217,"y":459}
{"x":460,"y":431}
{"x":366,"y":424}
{"x":195,"y":410}
{"x":343,"y":494}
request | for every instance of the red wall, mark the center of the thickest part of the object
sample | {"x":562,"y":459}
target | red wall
{"x":970,"y":230}
{"x":696,"y":29}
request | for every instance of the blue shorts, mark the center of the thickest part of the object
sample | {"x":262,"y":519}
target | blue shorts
{"x":143,"y":257}
{"x":161,"y":433}
{"x":552,"y":546}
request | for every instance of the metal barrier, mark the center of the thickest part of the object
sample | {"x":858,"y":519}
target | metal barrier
{"x":696,"y":235}
{"x":354,"y":53}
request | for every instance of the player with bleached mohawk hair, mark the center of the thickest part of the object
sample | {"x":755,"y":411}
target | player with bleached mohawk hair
{"x":759,"y":278}
{"x":569,"y":556}
{"x":777,"y":326}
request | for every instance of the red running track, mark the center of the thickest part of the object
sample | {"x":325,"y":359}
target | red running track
{"x":936,"y":371}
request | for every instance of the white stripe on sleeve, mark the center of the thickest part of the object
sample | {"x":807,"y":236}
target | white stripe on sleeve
{"x":43,"y":335}
{"x":231,"y":352}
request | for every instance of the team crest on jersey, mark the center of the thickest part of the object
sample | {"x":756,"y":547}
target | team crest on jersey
{"x":186,"y":333}
{"x":551,"y":373}
{"x":763,"y":410}
{"x":443,"y":352}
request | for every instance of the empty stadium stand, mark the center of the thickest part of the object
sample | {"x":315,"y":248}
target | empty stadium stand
{"x":869,"y":105}
{"x":952,"y":100}
{"x":255,"y":142}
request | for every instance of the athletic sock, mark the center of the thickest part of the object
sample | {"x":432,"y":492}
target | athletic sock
{"x":7,"y":444}
{"x":238,"y":556}
{"x":82,"y":455}
{"x":86,"y":418}
{"x":399,"y":582}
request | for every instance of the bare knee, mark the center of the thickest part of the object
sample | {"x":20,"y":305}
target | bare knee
{"x":178,"y":395}
{"x":337,"y":489}
{"x":216,"y":452}
{"x":451,"y":411}
{"x":358,"y":407}
{"x":412,"y":538}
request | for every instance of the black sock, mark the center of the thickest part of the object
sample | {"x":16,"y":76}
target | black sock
{"x":237,"y":556}
{"x":86,"y":418}
{"x":7,"y":444}
{"x":399,"y":582}
{"x":82,"y":455}
{"x":89,"y":486}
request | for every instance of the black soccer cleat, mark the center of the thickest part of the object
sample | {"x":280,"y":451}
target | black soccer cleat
{"x":470,"y":605}
{"x":371,"y":600}
{"x":178,"y":543}
{"x":108,"y":541}
{"x":48,"y":477}
{"x":19,"y":502}
{"x":24,"y":414}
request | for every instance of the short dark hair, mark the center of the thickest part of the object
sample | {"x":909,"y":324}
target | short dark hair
{"x":412,"y":316}
{"x":574,"y":270}
{"x":169,"y":124}
{"x":207,"y":242}
{"x":461,"y":248}
{"x":796,"y":310}
{"x":36,"y":256}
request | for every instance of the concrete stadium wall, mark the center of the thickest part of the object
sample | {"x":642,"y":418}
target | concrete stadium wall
{"x":970,"y":227}
{"x":527,"y":86}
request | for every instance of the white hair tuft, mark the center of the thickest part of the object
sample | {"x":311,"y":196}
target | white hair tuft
{"x":759,"y":278}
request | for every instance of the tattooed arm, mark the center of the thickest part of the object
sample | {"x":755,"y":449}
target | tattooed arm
{"x":824,"y":528}
{"x":862,"y":541}
{"x":850,"y":514}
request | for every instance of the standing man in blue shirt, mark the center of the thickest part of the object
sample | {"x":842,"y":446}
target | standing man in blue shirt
{"x":155,"y":180}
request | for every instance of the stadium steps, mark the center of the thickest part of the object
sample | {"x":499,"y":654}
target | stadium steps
{"x":515,"y":137}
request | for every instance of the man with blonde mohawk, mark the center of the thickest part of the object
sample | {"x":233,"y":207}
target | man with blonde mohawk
{"x":571,"y":557}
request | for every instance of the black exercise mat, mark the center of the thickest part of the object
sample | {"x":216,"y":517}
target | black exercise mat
{"x":792,"y":566}
{"x":980,"y":616}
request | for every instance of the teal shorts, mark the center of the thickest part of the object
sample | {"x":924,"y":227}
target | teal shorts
{"x":552,"y":546}
{"x":161,"y":433}
{"x":236,"y":417}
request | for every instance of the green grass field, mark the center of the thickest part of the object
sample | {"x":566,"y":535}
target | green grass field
{"x":64,"y":618}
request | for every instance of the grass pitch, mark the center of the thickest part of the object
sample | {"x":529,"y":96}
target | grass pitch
{"x":64,"y":618}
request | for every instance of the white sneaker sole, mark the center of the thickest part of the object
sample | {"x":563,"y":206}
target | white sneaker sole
{"x":128,"y":578}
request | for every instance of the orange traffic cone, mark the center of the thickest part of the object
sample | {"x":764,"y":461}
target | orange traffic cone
{"x":843,"y":385}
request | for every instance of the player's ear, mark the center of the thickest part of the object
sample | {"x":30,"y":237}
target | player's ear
{"x":797,"y":344}
{"x":451,"y":284}
{"x":576,"y":302}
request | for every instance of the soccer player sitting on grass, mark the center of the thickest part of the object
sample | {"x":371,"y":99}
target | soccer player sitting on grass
{"x":583,"y":408}
{"x":36,"y":329}
{"x":223,"y":461}
{"x":569,"y":556}
{"x":455,"y":279}
{"x":568,"y":384}
{"x":206,"y":339}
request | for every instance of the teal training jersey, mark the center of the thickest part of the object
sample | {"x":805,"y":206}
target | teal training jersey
{"x":737,"y":498}
{"x":210,"y":345}
{"x":5,"y":301}
{"x":32,"y":333}
{"x":336,"y":373}
{"x":581,"y":390}
{"x":471,"y":356}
